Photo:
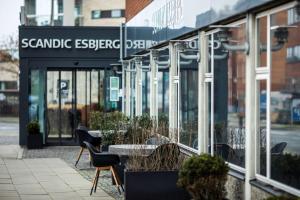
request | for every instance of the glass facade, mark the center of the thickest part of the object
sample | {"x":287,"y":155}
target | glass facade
{"x":38,"y":12}
{"x":36,"y":98}
{"x":146,"y":92}
{"x":278,"y":99}
{"x":284,"y":104}
{"x":229,"y":100}
{"x":70,"y":97}
{"x":188,"y":97}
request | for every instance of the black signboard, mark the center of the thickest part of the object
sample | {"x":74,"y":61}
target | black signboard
{"x":69,"y":42}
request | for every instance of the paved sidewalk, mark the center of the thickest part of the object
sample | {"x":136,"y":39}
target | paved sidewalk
{"x":43,"y":178}
{"x":11,"y":151}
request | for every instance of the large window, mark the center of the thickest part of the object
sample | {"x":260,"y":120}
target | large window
{"x":36,"y":97}
{"x":98,"y":14}
{"x":146,"y":92}
{"x":226,"y":87}
{"x":278,"y":101}
{"x":188,"y":97}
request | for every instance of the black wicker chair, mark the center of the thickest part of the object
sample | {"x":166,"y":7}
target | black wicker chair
{"x":83,"y":135}
{"x":278,"y":148}
{"x":103,"y":161}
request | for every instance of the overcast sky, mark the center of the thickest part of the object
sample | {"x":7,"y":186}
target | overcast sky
{"x":9,"y":17}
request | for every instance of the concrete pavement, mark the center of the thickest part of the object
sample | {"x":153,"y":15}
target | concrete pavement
{"x":43,"y":178}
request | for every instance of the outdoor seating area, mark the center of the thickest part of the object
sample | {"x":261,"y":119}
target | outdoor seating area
{"x":137,"y":156}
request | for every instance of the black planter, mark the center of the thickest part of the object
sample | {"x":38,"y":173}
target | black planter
{"x":34,"y":141}
{"x":159,"y":185}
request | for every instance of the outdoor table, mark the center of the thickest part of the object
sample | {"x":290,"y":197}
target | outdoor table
{"x":95,"y":133}
{"x":131,"y":149}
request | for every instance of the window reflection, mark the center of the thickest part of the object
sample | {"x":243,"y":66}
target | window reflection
{"x":262,"y":127}
{"x":285,"y":104}
{"x":188,"y":102}
{"x":262,"y":41}
{"x":229,"y":101}
{"x":146,"y":92}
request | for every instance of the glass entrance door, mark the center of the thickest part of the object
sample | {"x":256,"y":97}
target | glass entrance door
{"x":71,"y":97}
{"x":61,"y":112}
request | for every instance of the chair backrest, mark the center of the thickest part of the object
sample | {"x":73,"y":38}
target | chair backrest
{"x":278,"y":148}
{"x":81,"y":127}
{"x":82,"y":136}
{"x":93,"y":151}
{"x":166,"y":156}
{"x":101,"y":159}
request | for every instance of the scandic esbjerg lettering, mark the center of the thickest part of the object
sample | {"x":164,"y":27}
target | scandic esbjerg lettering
{"x":95,"y":44}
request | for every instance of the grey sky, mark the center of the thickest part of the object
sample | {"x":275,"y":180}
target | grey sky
{"x":9,"y":17}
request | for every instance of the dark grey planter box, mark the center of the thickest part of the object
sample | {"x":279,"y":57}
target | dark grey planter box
{"x":34,"y":141}
{"x":159,"y":185}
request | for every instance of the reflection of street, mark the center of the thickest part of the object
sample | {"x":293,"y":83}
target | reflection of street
{"x":9,"y":132}
{"x":291,"y":137}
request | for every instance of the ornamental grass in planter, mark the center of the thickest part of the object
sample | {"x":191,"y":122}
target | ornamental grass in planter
{"x":34,"y":137}
{"x":155,"y":176}
{"x":204,"y":177}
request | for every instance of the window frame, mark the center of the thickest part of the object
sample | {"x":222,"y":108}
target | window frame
{"x":264,"y":73}
{"x":209,"y":78}
{"x":114,"y":10}
{"x":191,"y":149}
{"x":93,"y":12}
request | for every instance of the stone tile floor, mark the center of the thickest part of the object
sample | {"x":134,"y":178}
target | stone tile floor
{"x":43,"y":178}
{"x":69,"y":154}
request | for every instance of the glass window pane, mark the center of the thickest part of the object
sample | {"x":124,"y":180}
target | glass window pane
{"x":96,"y":14}
{"x":262,"y":125}
{"x":188,"y":103}
{"x":53,"y":104}
{"x":229,"y":100}
{"x":116,"y":13}
{"x":67,"y":104}
{"x":262,"y":41}
{"x":285,"y":104}
{"x":146,"y":92}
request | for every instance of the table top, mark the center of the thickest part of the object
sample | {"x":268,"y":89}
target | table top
{"x":131,"y":149}
{"x":95,"y":133}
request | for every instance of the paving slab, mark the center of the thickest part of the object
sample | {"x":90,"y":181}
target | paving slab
{"x":10,"y":151}
{"x":5,"y":180}
{"x":10,"y":198}
{"x":7,"y":187}
{"x":35,"y":197}
{"x":65,"y":195}
{"x":9,"y":193}
{"x":26,"y":179}
{"x":44,"y":178}
{"x":30,"y":189}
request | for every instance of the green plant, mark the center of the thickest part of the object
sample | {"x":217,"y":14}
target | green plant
{"x":145,"y":121}
{"x":109,"y":137}
{"x":283,"y":198}
{"x":163,"y":124}
{"x":33,"y":127}
{"x":109,"y":123}
{"x":204,"y":177}
{"x":95,"y":120}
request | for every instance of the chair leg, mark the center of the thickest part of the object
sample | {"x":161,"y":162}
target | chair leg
{"x":94,"y":182}
{"x":118,"y":178}
{"x":79,"y":155}
{"x":115,"y":178}
{"x":98,"y":174}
